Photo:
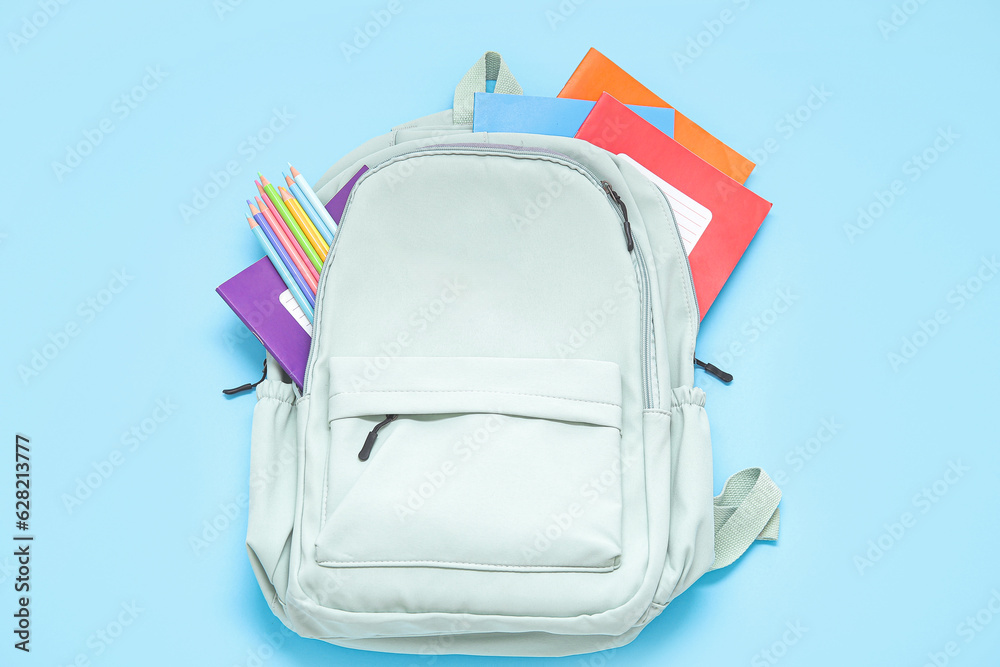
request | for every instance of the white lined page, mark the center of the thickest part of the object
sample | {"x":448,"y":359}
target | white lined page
{"x":692,"y":218}
{"x":292,"y":306}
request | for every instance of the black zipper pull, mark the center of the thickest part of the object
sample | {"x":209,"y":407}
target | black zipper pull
{"x":618,"y":200}
{"x":366,"y":449}
{"x":712,"y":369}
{"x":248,"y":386}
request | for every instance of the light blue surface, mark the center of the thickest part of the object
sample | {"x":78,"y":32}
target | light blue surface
{"x":555,"y":116}
{"x":168,"y":337}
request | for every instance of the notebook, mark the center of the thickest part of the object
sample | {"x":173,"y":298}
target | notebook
{"x":597,"y":74}
{"x":260,"y":298}
{"x":335,"y":207}
{"x":555,"y":116}
{"x":717,"y":216}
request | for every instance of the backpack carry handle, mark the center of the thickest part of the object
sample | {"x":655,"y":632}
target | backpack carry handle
{"x":490,"y":67}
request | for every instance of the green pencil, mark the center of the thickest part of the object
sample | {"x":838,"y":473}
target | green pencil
{"x":267,"y":190}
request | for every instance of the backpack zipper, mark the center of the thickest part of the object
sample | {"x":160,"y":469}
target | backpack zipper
{"x":642,"y":272}
{"x":366,"y":449}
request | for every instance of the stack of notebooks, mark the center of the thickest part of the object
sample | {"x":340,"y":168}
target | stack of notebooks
{"x":700,"y":176}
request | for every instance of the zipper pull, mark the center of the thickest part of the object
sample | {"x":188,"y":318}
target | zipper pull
{"x":712,"y":369}
{"x":625,"y":223}
{"x":248,"y":386}
{"x":366,"y":449}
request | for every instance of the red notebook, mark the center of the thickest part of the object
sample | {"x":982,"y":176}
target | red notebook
{"x":717,"y":216}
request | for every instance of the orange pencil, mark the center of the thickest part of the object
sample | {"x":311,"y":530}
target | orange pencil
{"x":289,"y":246}
{"x":308,"y":228}
{"x":276,"y":222}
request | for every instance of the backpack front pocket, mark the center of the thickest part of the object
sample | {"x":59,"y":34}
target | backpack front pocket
{"x":488,"y":464}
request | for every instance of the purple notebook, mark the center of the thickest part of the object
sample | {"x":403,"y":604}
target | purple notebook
{"x":260,"y":298}
{"x":335,"y":207}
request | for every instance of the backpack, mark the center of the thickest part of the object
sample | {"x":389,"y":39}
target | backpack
{"x":498,"y":448}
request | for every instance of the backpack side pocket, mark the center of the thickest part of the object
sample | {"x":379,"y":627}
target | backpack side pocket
{"x":273,"y":474}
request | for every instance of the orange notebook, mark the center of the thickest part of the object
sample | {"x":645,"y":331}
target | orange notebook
{"x":596,"y":74}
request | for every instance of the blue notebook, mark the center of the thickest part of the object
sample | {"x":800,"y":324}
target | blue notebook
{"x":556,"y":116}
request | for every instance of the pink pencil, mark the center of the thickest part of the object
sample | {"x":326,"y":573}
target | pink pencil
{"x":294,"y":250}
{"x":289,"y":247}
{"x":266,"y":207}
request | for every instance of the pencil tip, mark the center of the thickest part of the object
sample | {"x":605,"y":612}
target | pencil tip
{"x":288,"y":179}
{"x":263,"y":180}
{"x":295,"y":172}
{"x":253,"y":223}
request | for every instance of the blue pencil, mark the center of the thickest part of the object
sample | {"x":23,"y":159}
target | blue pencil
{"x":282,"y":253}
{"x":328,"y":221}
{"x":307,"y":206}
{"x":281,"y":269}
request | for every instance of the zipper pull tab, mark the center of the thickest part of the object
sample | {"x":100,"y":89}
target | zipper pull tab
{"x":366,"y":449}
{"x":712,"y":369}
{"x":247,"y":386}
{"x":625,"y":223}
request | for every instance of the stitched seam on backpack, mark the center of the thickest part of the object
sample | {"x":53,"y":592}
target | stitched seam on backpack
{"x":472,"y":391}
{"x":451,"y":562}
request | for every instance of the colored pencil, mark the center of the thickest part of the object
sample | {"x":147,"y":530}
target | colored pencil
{"x":314,"y":200}
{"x":294,"y":250}
{"x":304,"y":223}
{"x":303,"y":201}
{"x":293,"y":226}
{"x":275,"y":237}
{"x":279,"y":266}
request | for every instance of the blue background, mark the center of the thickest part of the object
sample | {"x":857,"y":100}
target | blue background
{"x":167,"y":336}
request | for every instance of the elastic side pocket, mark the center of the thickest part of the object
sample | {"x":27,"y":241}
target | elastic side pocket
{"x":691,"y":547}
{"x":273,"y":473}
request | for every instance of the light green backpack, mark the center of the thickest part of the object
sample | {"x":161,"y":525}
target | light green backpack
{"x":498,"y":449}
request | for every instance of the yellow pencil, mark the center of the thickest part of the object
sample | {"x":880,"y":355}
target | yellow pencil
{"x":305,"y":223}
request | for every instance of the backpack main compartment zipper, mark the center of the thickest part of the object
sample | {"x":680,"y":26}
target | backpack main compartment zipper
{"x":614,"y":199}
